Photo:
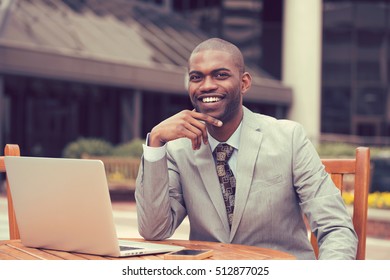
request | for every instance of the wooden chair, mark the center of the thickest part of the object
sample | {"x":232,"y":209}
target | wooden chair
{"x":360,"y":167}
{"x":10,"y":150}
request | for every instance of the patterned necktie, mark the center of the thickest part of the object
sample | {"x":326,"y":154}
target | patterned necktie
{"x":226,"y":178}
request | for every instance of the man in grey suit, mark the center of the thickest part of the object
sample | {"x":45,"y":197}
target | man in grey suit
{"x":275,"y":173}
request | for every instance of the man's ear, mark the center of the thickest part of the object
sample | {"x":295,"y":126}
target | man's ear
{"x":246,"y":82}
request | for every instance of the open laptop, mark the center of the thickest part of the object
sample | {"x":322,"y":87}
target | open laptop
{"x":64,"y":204}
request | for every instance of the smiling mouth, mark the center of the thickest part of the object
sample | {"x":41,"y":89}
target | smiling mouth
{"x":210,"y":99}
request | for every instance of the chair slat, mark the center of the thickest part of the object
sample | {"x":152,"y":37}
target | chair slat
{"x":10,"y":150}
{"x":362,"y":183}
{"x":341,"y":166}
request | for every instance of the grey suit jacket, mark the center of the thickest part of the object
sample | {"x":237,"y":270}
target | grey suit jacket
{"x":279,"y":176}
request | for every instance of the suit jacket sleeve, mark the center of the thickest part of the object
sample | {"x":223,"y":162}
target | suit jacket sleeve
{"x":160,"y":204}
{"x":321,"y":202}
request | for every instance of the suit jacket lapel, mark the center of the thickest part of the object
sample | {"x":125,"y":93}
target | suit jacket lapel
{"x":250,"y":141}
{"x":205,"y":163}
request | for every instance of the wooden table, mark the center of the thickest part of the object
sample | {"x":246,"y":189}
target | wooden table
{"x":15,"y":250}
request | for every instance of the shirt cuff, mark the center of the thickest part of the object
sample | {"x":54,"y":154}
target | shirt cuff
{"x":153,"y":154}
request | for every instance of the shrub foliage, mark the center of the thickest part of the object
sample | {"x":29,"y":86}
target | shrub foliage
{"x":99,"y":147}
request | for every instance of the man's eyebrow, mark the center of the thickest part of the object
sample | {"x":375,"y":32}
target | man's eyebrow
{"x":213,"y":71}
{"x":220,"y":69}
{"x":195,"y":72}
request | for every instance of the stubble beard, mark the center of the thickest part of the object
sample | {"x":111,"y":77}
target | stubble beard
{"x":230,"y":111}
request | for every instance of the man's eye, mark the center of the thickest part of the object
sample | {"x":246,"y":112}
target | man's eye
{"x":194,"y":78}
{"x":222,"y":75}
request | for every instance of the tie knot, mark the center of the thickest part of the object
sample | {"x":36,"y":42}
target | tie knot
{"x":223,"y":152}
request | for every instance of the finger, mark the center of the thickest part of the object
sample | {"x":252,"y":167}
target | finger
{"x":199,"y":128}
{"x":196,"y":134}
{"x":191,"y":135}
{"x":208,"y":119}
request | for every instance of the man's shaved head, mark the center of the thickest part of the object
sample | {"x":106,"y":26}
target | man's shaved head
{"x":225,"y":46}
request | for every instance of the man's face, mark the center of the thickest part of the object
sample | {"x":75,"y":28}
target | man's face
{"x":215,"y":85}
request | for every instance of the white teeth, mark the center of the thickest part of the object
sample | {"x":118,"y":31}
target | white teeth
{"x":210,"y":99}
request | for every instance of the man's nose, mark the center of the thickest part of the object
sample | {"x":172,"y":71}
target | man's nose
{"x":208,"y":84}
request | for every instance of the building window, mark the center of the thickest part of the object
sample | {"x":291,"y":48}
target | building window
{"x":356,"y":60}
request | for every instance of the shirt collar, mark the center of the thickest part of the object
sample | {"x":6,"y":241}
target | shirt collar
{"x":233,"y":141}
